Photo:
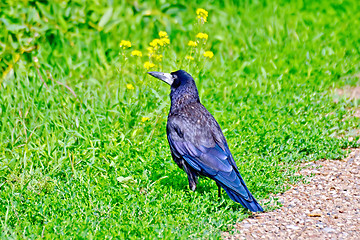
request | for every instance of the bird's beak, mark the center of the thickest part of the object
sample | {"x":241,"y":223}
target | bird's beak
{"x":166,"y":77}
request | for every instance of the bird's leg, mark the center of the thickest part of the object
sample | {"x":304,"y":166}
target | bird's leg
{"x":192,"y":185}
{"x":219,"y":190}
{"x":192,"y":177}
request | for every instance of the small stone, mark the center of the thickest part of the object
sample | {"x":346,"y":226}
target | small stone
{"x":292,"y":227}
{"x":315,"y":213}
{"x":246,"y":225}
{"x":320,"y":225}
{"x":328,"y":229}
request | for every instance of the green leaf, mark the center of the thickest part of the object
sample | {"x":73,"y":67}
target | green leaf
{"x":124,"y":179}
{"x":106,"y":17}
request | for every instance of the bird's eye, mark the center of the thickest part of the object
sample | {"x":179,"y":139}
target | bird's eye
{"x":176,"y":81}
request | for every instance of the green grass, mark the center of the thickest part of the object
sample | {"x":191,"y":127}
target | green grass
{"x":87,"y":166}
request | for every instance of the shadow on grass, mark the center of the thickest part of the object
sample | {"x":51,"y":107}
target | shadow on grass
{"x":206,"y":188}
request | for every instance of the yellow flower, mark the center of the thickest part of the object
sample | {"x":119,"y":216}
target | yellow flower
{"x":208,"y":54}
{"x":202,"y":36}
{"x":202,"y":18}
{"x":136,"y":53}
{"x":148,"y":65}
{"x":158,"y":57}
{"x":202,"y":14}
{"x":150,"y":50}
{"x":189,"y":58}
{"x":153,"y":43}
{"x":165,"y":41}
{"x":163,"y":34}
{"x":159,"y":42}
{"x":144,"y":119}
{"x":130,"y":86}
{"x":192,"y":44}
{"x":125,"y":44}
{"x":156,"y":42}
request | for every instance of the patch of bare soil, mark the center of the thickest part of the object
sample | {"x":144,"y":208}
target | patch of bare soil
{"x":349,"y":92}
{"x":328,"y":207}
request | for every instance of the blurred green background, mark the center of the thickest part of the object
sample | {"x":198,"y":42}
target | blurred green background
{"x":83,"y":149}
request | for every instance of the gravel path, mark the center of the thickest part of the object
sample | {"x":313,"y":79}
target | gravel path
{"x":326,"y":208}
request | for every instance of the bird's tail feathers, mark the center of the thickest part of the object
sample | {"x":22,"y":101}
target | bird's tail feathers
{"x":252,"y":205}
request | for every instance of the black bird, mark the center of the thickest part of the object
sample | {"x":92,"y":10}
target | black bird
{"x":197,"y":143}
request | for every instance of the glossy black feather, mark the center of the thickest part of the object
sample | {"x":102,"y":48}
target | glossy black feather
{"x":198,"y":145}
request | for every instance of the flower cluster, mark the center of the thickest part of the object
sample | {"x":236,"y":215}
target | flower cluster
{"x":144,"y":119}
{"x":160,"y":42}
{"x":192,"y":44}
{"x":202,"y":15}
{"x":148,"y":65}
{"x":153,"y":51}
{"x":201,"y":38}
{"x":156,"y":43}
{"x":163,"y":34}
{"x":124,"y":44}
{"x":155,"y":48}
{"x":130,"y":86}
{"x":136,"y":53}
{"x":208,"y":54}
{"x":152,"y":56}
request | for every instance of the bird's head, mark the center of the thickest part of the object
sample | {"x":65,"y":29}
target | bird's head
{"x":183,"y":88}
{"x":174,"y":79}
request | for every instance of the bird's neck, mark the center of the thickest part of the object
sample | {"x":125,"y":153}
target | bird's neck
{"x":182,"y":97}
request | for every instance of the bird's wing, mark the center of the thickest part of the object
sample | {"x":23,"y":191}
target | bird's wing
{"x":204,"y":148}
